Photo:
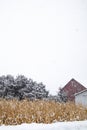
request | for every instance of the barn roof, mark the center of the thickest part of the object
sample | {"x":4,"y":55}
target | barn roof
{"x":73,"y":80}
{"x":81,"y":92}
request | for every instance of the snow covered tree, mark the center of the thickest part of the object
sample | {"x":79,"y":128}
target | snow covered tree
{"x":6,"y":86}
{"x":62,"y":96}
{"x":21,"y":88}
{"x":34,"y":90}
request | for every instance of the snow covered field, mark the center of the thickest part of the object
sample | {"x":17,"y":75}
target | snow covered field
{"x":77,"y":125}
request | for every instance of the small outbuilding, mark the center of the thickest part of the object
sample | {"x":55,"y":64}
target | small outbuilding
{"x":81,"y":98}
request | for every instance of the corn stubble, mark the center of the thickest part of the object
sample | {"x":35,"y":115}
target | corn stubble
{"x":13,"y":112}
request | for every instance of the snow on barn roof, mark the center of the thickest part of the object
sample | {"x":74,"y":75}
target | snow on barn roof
{"x":80,"y":92}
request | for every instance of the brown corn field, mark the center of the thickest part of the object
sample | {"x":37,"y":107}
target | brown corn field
{"x":13,"y":112}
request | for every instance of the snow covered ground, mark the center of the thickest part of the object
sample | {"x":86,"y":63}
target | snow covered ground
{"x":77,"y":125}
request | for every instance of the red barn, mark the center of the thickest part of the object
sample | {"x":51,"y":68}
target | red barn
{"x":71,"y":88}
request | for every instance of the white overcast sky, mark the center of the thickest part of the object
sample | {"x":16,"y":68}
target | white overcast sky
{"x":45,"y":40}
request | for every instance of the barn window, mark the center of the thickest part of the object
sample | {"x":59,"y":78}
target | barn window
{"x":72,"y":83}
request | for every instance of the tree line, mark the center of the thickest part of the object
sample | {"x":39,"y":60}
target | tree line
{"x":21,"y":87}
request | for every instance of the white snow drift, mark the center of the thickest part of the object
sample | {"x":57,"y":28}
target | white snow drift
{"x":77,"y":125}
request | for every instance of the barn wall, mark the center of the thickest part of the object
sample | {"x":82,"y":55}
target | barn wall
{"x":81,"y":98}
